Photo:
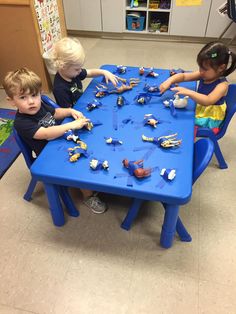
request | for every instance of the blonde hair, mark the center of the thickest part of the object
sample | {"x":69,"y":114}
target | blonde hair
{"x":22,"y":81}
{"x":67,"y":51}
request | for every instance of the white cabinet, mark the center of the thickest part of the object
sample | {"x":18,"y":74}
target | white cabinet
{"x":190,"y":20}
{"x":217,"y":23}
{"x":112,"y":16}
{"x":83,"y":15}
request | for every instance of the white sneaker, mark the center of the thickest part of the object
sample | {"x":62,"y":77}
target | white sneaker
{"x":95,"y":204}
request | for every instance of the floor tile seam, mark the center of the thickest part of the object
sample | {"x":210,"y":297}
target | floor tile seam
{"x":18,"y":308}
{"x":217,"y":282}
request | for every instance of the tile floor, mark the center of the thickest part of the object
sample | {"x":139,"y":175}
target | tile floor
{"x":91,"y":265}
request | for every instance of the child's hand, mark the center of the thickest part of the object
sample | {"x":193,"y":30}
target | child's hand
{"x":79,"y":123}
{"x":110,"y":77}
{"x":164,"y":86}
{"x":76,"y":114}
{"x":182,"y":91}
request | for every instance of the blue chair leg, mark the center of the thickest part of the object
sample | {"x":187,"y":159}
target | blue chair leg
{"x":30,"y":190}
{"x":68,"y":202}
{"x":132,"y":213}
{"x":55,"y":204}
{"x":219,"y":156}
{"x":182,"y":231}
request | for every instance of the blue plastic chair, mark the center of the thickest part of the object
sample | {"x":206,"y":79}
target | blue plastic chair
{"x":29,"y":159}
{"x":203,"y":151}
{"x":205,"y":132}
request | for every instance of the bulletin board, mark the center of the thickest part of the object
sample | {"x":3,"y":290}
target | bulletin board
{"x":48,"y":18}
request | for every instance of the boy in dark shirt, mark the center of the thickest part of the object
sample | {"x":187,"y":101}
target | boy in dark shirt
{"x":35,"y":121}
{"x":68,"y":59}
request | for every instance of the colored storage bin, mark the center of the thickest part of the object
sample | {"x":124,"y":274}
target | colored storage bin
{"x":135,"y":23}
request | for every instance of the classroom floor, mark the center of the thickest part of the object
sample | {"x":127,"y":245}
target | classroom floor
{"x":91,"y":265}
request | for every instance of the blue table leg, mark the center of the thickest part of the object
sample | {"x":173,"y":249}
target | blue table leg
{"x":55,"y":204}
{"x":182,"y":231}
{"x":169,"y":225}
{"x":132,"y":213}
{"x":67,"y":200}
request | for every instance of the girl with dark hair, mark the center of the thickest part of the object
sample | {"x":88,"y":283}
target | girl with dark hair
{"x":215,"y":62}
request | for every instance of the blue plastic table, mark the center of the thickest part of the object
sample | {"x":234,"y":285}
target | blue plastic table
{"x":53,"y":168}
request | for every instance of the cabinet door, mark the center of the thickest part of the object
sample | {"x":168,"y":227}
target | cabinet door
{"x":189,"y":20}
{"x":218,"y":23}
{"x":112,"y":15}
{"x":83,"y":15}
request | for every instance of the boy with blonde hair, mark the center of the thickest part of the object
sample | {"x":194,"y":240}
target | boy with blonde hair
{"x":36,"y":122}
{"x":68,"y":58}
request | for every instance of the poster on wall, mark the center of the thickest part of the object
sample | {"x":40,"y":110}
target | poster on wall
{"x":188,"y":2}
{"x":48,"y":21}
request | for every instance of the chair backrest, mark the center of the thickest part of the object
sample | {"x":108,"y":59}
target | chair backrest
{"x":203,"y":151}
{"x":230,"y":111}
{"x":24,"y":147}
{"x":231,"y":9}
{"x":47,"y":100}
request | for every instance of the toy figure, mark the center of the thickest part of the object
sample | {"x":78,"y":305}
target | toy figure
{"x":141,"y":71}
{"x":173,"y":71}
{"x":121,"y":69}
{"x":96,"y":164}
{"x":136,"y":168}
{"x":150,"y":119}
{"x":114,"y":141}
{"x":121,"y":101}
{"x":93,"y":105}
{"x":77,"y":151}
{"x":168,"y":174}
{"x":177,"y":102}
{"x":165,"y":141}
{"x":149,"y":72}
{"x":144,"y":98}
{"x":71,"y":136}
{"x":121,"y":87}
{"x":151,"y":89}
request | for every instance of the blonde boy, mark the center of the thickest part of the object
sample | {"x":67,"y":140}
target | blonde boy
{"x":68,"y":58}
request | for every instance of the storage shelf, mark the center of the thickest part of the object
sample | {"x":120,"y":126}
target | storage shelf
{"x":154,"y":19}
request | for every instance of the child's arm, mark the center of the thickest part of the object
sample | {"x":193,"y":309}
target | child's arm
{"x":204,"y":100}
{"x":177,"y":78}
{"x":61,"y":113}
{"x":58,"y":130}
{"x":108,"y":75}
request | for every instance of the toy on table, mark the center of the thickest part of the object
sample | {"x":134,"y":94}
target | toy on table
{"x":168,"y":174}
{"x":121,"y":101}
{"x":150,"y":119}
{"x":176,"y":71}
{"x":97,"y":164}
{"x":177,"y":102}
{"x":71,"y":135}
{"x":94,"y":104}
{"x":151,"y":89}
{"x":114,"y":141}
{"x":121,"y":87}
{"x":144,"y":98}
{"x":77,"y":151}
{"x":148,"y":72}
{"x":136,"y":169}
{"x":121,"y":69}
{"x":165,"y":141}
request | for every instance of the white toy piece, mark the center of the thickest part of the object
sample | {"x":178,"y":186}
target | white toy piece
{"x":177,"y":102}
{"x":168,"y":174}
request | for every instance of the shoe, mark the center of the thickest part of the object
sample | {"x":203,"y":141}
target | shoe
{"x":95,"y":204}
